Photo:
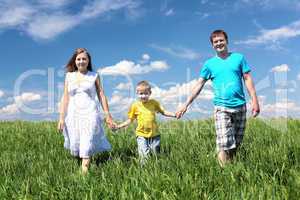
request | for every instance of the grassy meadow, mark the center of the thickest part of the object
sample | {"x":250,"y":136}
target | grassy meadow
{"x":34,"y":164}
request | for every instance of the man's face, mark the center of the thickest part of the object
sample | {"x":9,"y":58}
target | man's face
{"x":219,"y":43}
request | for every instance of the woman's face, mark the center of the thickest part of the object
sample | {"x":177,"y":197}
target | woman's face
{"x":82,"y":61}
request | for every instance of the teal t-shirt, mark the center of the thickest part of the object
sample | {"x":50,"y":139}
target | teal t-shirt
{"x":227,"y":79}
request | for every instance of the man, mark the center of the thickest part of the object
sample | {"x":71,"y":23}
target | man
{"x":227,"y":71}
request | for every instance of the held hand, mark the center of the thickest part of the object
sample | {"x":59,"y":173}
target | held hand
{"x":255,"y":108}
{"x":60,"y":125}
{"x":115,"y":128}
{"x":109,"y":121}
{"x":181,"y":112}
{"x":174,"y":115}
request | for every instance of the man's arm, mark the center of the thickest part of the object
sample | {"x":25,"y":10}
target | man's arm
{"x":251,"y":91}
{"x":195,"y":92}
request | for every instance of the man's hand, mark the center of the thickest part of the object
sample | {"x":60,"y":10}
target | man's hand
{"x":181,"y":112}
{"x":255,"y":108}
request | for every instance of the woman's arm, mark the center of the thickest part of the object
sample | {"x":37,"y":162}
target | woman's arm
{"x":104,"y":103}
{"x":63,"y":107}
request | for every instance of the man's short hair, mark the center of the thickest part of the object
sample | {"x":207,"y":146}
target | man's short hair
{"x":144,"y":84}
{"x":217,"y":32}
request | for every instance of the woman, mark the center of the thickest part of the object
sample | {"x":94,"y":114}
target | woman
{"x":79,"y":117}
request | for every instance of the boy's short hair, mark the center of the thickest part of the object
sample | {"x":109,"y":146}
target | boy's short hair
{"x":217,"y":32}
{"x":144,"y":84}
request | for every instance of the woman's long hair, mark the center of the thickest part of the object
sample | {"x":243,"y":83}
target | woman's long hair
{"x":71,"y":66}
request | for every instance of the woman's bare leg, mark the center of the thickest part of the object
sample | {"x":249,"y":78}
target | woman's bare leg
{"x":85,"y":165}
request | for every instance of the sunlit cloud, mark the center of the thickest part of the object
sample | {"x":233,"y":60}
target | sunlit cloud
{"x":281,"y":68}
{"x":178,"y":52}
{"x":127,"y":67}
{"x":45,"y":19}
{"x":273,"y":37}
{"x":25,"y":97}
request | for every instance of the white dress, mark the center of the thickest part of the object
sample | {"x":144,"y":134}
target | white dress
{"x":83,"y":132}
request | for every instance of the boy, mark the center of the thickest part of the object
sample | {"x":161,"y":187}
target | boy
{"x":144,"y":110}
{"x":227,"y":71}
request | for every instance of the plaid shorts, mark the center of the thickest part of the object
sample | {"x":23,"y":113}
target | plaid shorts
{"x":230,"y":125}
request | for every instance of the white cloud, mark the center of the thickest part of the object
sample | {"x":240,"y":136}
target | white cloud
{"x":46,"y":19}
{"x":15,"y":14}
{"x":1,"y":93}
{"x":292,"y":90}
{"x":274,"y":36}
{"x":171,"y":98}
{"x":178,"y":52}
{"x":284,"y":92}
{"x":118,"y":99}
{"x":123,"y":86}
{"x":203,"y":15}
{"x":123,"y":67}
{"x":176,"y":93}
{"x":270,"y":4}
{"x":281,"y":68}
{"x":281,"y":108}
{"x":19,"y":100}
{"x":127,"y":67}
{"x":97,"y":7}
{"x":298,"y":76}
{"x":10,"y":109}
{"x":146,"y":57}
{"x":170,"y":12}
{"x":27,"y":97}
{"x":119,"y":104}
{"x":159,"y":65}
{"x":204,"y":1}
{"x":53,"y":3}
{"x":47,"y":27}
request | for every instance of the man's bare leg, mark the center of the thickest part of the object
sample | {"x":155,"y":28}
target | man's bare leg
{"x":223,"y":158}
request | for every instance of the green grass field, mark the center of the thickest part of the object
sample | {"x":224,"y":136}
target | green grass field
{"x":34,"y":165}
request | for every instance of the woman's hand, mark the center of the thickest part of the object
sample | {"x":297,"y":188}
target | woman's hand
{"x":61,"y":125}
{"x":109,"y":121}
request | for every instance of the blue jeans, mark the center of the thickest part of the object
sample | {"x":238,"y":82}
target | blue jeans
{"x":147,"y":146}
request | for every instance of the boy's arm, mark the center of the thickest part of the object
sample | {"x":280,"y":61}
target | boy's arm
{"x":251,"y":91}
{"x":168,"y":114}
{"x":124,"y":124}
{"x":195,"y":92}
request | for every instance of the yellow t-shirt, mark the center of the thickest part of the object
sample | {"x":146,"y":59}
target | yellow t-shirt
{"x":145,"y":115}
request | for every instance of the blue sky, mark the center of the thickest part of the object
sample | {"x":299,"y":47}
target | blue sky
{"x":165,"y":42}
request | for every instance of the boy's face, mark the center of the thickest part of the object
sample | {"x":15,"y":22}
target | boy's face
{"x":219,"y":43}
{"x":143,"y":93}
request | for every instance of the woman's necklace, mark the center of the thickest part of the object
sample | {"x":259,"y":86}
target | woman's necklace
{"x":79,"y":78}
